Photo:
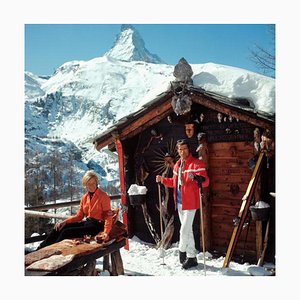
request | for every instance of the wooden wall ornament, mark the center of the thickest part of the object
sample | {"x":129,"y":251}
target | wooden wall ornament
{"x":267,"y":144}
{"x":234,"y":189}
{"x":165,"y":160}
{"x":201,"y":118}
{"x":202,"y":148}
{"x":226,"y":131}
{"x":189,"y":130}
{"x":219,"y":117}
{"x":256,"y":141}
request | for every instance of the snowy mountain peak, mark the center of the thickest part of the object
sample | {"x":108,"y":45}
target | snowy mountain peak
{"x":129,"y":46}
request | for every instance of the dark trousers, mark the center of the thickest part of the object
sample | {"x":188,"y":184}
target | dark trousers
{"x":73,"y":230}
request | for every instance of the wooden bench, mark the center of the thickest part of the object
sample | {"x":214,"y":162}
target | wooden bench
{"x":74,"y":267}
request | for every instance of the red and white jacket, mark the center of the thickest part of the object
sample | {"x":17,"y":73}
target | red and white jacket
{"x":189,"y":189}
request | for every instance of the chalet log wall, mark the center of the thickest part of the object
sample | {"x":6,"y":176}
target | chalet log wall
{"x":230,"y":175}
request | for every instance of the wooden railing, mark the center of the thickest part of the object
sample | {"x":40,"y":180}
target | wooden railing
{"x":40,"y":211}
{"x":64,"y":204}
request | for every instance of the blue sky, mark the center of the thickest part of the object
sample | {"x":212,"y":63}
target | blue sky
{"x":48,"y":46}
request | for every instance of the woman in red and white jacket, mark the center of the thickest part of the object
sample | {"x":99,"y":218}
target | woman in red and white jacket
{"x":94,"y":207}
{"x":187,"y":199}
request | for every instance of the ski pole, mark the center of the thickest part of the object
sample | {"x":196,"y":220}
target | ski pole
{"x":199,"y":180}
{"x":202,"y":229}
{"x":160,"y":218}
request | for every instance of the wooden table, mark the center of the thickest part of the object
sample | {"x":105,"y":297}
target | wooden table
{"x":111,"y":251}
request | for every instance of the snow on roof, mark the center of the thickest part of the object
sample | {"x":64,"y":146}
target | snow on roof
{"x":230,"y":82}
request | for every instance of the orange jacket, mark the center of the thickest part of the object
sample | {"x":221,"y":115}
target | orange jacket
{"x":189,"y":189}
{"x":97,"y":208}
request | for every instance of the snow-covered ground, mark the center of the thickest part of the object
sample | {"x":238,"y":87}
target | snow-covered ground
{"x":144,"y":259}
{"x":153,"y":274}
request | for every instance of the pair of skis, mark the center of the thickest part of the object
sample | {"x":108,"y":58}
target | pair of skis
{"x":246,"y":201}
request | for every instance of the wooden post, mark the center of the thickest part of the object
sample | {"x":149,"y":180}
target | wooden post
{"x":116,"y":263}
{"x":88,"y":270}
{"x":116,"y":267}
{"x":258,"y":238}
{"x":106,"y":263}
{"x":119,"y":148}
{"x":262,"y":256}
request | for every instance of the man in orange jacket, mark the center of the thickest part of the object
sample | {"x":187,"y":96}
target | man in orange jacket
{"x":94,"y":206}
{"x":187,"y":199}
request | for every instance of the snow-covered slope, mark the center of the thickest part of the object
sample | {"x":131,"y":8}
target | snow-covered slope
{"x":96,"y":93}
{"x":33,"y":86}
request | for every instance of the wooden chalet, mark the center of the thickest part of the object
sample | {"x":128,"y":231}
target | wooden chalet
{"x":228,"y":135}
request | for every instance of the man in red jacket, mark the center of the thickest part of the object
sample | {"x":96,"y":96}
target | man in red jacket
{"x":187,"y":199}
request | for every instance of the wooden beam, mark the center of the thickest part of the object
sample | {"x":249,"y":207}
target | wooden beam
{"x":103,"y":143}
{"x":141,"y":122}
{"x":130,"y":132}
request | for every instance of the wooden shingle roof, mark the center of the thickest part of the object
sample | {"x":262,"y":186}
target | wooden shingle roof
{"x":160,"y":107}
